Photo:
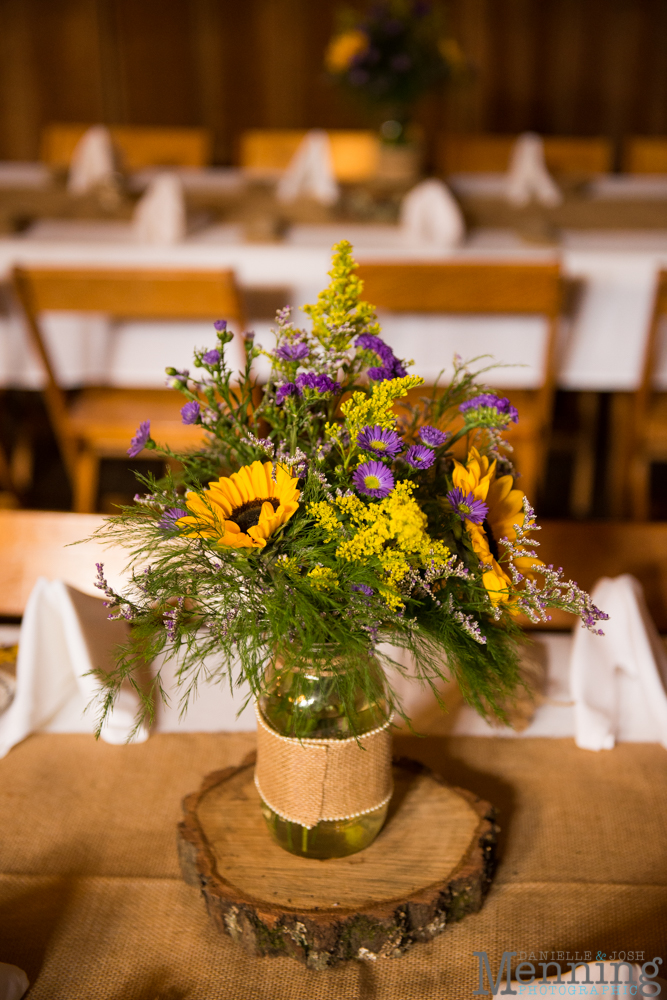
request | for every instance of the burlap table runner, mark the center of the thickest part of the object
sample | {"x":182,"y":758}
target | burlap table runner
{"x":92,"y":904}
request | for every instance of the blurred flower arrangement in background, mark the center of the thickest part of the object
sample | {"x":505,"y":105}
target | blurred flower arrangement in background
{"x":391,"y":55}
{"x":320,"y":513}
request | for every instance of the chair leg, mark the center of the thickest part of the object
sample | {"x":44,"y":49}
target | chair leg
{"x":640,"y":476}
{"x":86,"y":482}
{"x":581,"y":492}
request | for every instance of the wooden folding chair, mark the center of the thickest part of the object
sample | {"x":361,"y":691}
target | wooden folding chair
{"x":494,"y":289}
{"x":138,"y":146}
{"x":648,"y":439}
{"x":36,"y":543}
{"x":354,"y":153}
{"x":100,"y":421}
{"x":487,"y":153}
{"x":645,"y":155}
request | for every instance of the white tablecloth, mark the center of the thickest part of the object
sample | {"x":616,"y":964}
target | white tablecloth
{"x":602,"y":347}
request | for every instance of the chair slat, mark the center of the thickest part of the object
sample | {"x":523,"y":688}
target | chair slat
{"x":464,"y":288}
{"x":138,"y":146}
{"x":137,"y":293}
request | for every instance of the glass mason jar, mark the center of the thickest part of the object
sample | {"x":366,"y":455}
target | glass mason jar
{"x":300,"y":699}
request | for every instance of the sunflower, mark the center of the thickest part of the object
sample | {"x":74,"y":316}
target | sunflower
{"x":505,"y":509}
{"x":244,"y":509}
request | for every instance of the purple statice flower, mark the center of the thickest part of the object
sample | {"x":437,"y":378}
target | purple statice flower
{"x":491,"y":409}
{"x":374,"y":479}
{"x":390,"y":368}
{"x":419,"y":457}
{"x":380,"y":442}
{"x":466,"y":506}
{"x":432,"y":437}
{"x":169,"y":518}
{"x":211,"y":357}
{"x":190,"y":412}
{"x":285,"y":390}
{"x":362,"y":588}
{"x":293,"y":352}
{"x":320,"y":383}
{"x":140,"y":439}
{"x":220,"y":325}
{"x":358,"y":77}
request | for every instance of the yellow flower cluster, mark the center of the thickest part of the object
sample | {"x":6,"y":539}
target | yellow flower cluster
{"x":377,"y":409}
{"x":392,"y":531}
{"x":322,"y":578}
{"x":343,"y":48}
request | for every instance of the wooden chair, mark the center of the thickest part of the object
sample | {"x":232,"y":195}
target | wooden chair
{"x":99,"y":422}
{"x":645,"y":155}
{"x":355,"y":153}
{"x":648,"y":439}
{"x":485,"y":288}
{"x":37,"y":543}
{"x":588,"y":550}
{"x":138,"y":146}
{"x":487,"y":153}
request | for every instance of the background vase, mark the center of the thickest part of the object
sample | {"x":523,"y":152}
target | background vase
{"x":302,"y":699}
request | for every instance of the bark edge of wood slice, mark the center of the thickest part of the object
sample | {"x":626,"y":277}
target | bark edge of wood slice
{"x":430,"y":866}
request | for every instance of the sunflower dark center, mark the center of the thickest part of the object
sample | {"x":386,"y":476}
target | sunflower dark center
{"x":493,"y":545}
{"x":247,"y":515}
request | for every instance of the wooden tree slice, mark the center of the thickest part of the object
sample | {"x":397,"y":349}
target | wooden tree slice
{"x":430,"y":866}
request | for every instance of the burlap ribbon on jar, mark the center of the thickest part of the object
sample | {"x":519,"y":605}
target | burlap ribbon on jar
{"x":307,"y":781}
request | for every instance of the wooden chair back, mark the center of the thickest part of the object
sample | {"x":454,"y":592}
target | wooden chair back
{"x":470,"y":153}
{"x":355,"y":153}
{"x":645,"y":155}
{"x":41,"y":543}
{"x":479,"y":289}
{"x":588,"y":550}
{"x":137,"y":146}
{"x":121,"y":294}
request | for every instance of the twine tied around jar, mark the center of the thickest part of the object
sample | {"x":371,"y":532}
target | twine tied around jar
{"x":306,"y":781}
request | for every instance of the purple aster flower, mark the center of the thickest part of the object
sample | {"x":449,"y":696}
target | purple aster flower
{"x":498,"y":409}
{"x":374,"y":479}
{"x":379,"y":441}
{"x":285,"y":390}
{"x":432,"y":437}
{"x":140,"y":439}
{"x":190,"y":412}
{"x":169,"y":518}
{"x":466,"y":506}
{"x":391,"y":367}
{"x":211,"y":357}
{"x":177,"y":377}
{"x":361,"y":588}
{"x":419,"y":457}
{"x":293,"y":352}
{"x":319,"y":383}
{"x":220,"y":325}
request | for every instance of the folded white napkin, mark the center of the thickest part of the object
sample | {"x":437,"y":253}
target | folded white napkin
{"x":13,"y":982}
{"x":310,"y":172}
{"x":160,"y":215}
{"x":430,"y":216}
{"x":93,"y":161}
{"x":619,"y":680}
{"x":528,"y":177}
{"x":64,"y":635}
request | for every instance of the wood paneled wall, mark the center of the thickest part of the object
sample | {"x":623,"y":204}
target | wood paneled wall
{"x":582,"y":67}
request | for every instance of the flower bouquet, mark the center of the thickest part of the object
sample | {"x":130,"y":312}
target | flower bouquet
{"x":321,"y":527}
{"x":391,"y":55}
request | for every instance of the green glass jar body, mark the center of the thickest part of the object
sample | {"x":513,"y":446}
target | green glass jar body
{"x":302,"y":700}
